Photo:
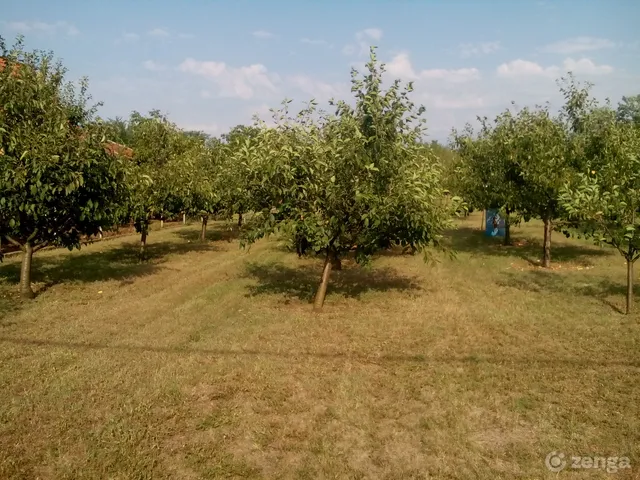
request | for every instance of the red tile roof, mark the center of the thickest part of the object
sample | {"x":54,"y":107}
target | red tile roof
{"x":118,"y":149}
{"x":3,"y":62}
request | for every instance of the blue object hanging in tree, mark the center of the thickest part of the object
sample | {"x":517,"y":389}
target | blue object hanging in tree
{"x":495,"y":223}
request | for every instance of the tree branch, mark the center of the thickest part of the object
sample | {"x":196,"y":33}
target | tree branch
{"x":613,"y":241}
{"x":40,"y":246}
{"x":32,"y":236}
{"x":14,"y":242}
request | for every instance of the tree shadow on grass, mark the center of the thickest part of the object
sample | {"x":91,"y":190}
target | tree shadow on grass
{"x":398,"y":251}
{"x":509,"y":361}
{"x":475,"y":242}
{"x":214,"y":234}
{"x":393,"y":251}
{"x":302,"y":282}
{"x":118,"y":263}
{"x":541,"y":280}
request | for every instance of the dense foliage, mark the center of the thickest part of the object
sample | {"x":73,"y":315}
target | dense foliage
{"x":57,"y":181}
{"x":577,"y":171}
{"x":357,"y":180}
{"x":350,"y":182}
{"x":604,"y":198}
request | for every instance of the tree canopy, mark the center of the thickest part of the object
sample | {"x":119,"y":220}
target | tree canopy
{"x":604,"y":199}
{"x":57,"y":180}
{"x":354,"y":180}
{"x":357,"y":180}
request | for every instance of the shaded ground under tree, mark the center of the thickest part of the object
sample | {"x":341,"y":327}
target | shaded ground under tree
{"x":301,"y":281}
{"x":467,"y":239}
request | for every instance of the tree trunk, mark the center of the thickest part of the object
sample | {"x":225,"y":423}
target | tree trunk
{"x":184,"y":218}
{"x":629,"y":286}
{"x":507,"y":233}
{"x":546,"y":248}
{"x":336,"y":263}
{"x":25,"y":272}
{"x":203,"y":231}
{"x":322,"y":289}
{"x":482,"y":225}
{"x":239,"y":220}
{"x":507,"y":228}
{"x":143,"y":244}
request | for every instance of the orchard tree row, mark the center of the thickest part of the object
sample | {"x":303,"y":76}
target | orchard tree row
{"x":357,"y":179}
{"x":66,"y":175}
{"x":578,"y":171}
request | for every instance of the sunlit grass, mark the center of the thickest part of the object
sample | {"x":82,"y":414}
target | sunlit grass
{"x":207,"y":362}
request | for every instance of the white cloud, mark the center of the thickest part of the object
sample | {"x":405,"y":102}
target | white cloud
{"x":525,"y":68}
{"x":240,"y":82}
{"x":262,"y":34}
{"x":452,"y":96}
{"x":373,"y":33}
{"x":577,"y":45}
{"x":71,"y":30}
{"x":153,"y":66}
{"x":310,"y":41}
{"x":477,"y":49}
{"x":210,"y":128}
{"x":137,"y":86}
{"x":460,"y":75}
{"x":43,"y":27}
{"x":586,"y":67}
{"x":455,"y":102}
{"x":127,"y":37}
{"x":158,"y":32}
{"x":440,"y":89}
{"x":363,"y":41}
{"x":319,"y":90}
{"x":630,"y":45}
{"x":263,"y":112}
{"x":518,"y":68}
{"x":401,"y":67}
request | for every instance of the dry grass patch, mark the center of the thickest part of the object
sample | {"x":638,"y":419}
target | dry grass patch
{"x":207,"y":362}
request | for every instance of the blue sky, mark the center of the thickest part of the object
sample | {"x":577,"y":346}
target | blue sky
{"x":212,"y":64}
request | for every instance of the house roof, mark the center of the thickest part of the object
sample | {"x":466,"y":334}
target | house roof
{"x":3,"y":62}
{"x":118,"y":149}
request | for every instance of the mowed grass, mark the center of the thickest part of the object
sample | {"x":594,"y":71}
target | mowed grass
{"x":207,"y":362}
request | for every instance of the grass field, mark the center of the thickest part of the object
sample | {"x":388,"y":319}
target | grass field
{"x":207,"y":362}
